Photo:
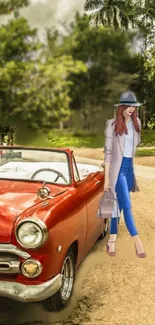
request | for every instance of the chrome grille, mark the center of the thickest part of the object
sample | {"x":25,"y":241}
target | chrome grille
{"x":9,"y":263}
{"x":9,"y":259}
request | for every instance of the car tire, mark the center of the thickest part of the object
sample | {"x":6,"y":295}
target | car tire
{"x":61,"y":299}
{"x":105,"y":231}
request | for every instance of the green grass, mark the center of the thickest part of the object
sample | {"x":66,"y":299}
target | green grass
{"x":145,"y":152}
{"x":64,"y":141}
{"x":76,"y":141}
{"x":59,"y":139}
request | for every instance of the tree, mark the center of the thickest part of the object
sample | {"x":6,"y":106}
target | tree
{"x":9,"y":6}
{"x":123,"y":14}
{"x":112,"y":13}
{"x":52,"y":37}
{"x":33,"y":91}
{"x":144,"y":80}
{"x":145,"y":10}
{"x":18,"y":42}
{"x":44,"y":95}
{"x":16,"y":49}
{"x":107,"y":55}
{"x":144,"y":84}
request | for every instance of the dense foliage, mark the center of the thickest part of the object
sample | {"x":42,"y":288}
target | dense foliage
{"x":32,"y":89}
{"x":83,"y":71}
{"x":9,"y":6}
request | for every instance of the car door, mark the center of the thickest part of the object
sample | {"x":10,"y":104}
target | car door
{"x":91,"y":189}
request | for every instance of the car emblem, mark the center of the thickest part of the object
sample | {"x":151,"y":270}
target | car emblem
{"x":43,"y":193}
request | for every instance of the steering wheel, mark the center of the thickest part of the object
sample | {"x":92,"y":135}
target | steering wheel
{"x":50,"y":170}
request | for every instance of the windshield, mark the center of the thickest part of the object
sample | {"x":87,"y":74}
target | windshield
{"x":36,"y":165}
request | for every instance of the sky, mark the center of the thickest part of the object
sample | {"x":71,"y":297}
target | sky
{"x":46,"y":13}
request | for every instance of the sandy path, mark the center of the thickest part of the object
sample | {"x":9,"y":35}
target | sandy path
{"x":98,"y":154}
{"x":142,"y":171}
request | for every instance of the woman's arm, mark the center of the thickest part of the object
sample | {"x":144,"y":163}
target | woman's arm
{"x":108,"y":150}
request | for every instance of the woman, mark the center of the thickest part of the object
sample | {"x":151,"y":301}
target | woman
{"x":122,"y":135}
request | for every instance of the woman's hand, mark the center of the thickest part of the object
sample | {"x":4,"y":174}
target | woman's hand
{"x":106,"y":185}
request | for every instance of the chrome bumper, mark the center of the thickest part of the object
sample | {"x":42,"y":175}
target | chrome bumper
{"x":30,"y":293}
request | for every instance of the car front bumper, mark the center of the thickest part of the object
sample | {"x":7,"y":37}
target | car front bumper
{"x":30,"y":293}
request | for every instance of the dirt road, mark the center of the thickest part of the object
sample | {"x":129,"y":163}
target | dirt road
{"x":97,"y":153}
{"x":112,"y":291}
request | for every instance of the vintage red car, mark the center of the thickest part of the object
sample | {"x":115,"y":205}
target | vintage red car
{"x":48,"y":223}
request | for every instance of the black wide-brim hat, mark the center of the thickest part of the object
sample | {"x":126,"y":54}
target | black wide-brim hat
{"x":128,"y":98}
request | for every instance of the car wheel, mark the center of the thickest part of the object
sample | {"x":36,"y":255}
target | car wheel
{"x":63,"y":296}
{"x":105,"y":231}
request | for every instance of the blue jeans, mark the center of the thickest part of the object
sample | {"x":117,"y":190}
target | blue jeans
{"x":123,"y":187}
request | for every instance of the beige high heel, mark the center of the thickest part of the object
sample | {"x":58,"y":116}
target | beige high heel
{"x":141,"y":255}
{"x":107,"y":248}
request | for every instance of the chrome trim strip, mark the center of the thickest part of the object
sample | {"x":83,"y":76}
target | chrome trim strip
{"x":98,"y":182}
{"x":10,"y":267}
{"x":8,"y":248}
{"x":30,"y":293}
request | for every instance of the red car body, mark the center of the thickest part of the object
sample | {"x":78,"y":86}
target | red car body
{"x":69,"y":216}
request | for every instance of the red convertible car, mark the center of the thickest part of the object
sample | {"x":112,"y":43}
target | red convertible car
{"x":48,"y":223}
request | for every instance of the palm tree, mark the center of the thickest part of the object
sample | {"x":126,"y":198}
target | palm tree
{"x":147,"y":11}
{"x":119,"y":14}
{"x":146,"y":23}
{"x":146,"y":18}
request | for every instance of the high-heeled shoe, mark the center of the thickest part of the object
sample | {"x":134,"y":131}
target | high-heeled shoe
{"x":107,"y":248}
{"x":141,"y":255}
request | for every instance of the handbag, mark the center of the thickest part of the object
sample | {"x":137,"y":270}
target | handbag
{"x":106,"y":205}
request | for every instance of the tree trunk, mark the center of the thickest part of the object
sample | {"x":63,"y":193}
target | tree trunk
{"x":84,"y":116}
{"x":2,"y":139}
{"x":61,"y":125}
{"x":9,"y":139}
{"x":144,"y":117}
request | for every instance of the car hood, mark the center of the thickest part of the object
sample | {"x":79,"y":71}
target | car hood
{"x":14,"y":204}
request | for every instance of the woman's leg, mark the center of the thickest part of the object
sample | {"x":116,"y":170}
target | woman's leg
{"x":123,"y":187}
{"x":137,"y":241}
{"x":114,"y":224}
{"x":123,"y":197}
{"x":113,"y":234}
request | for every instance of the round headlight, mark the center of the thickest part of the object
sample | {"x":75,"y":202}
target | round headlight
{"x":31,"y":234}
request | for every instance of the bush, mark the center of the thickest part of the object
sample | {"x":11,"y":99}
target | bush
{"x":148,"y":138}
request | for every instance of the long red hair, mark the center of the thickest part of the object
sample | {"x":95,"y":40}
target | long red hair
{"x":120,"y":125}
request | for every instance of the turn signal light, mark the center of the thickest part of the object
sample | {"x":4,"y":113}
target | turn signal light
{"x":31,"y":268}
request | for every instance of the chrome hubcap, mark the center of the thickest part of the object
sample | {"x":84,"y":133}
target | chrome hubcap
{"x":68,"y":278}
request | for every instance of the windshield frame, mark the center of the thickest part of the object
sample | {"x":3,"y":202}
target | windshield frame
{"x":66,"y":152}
